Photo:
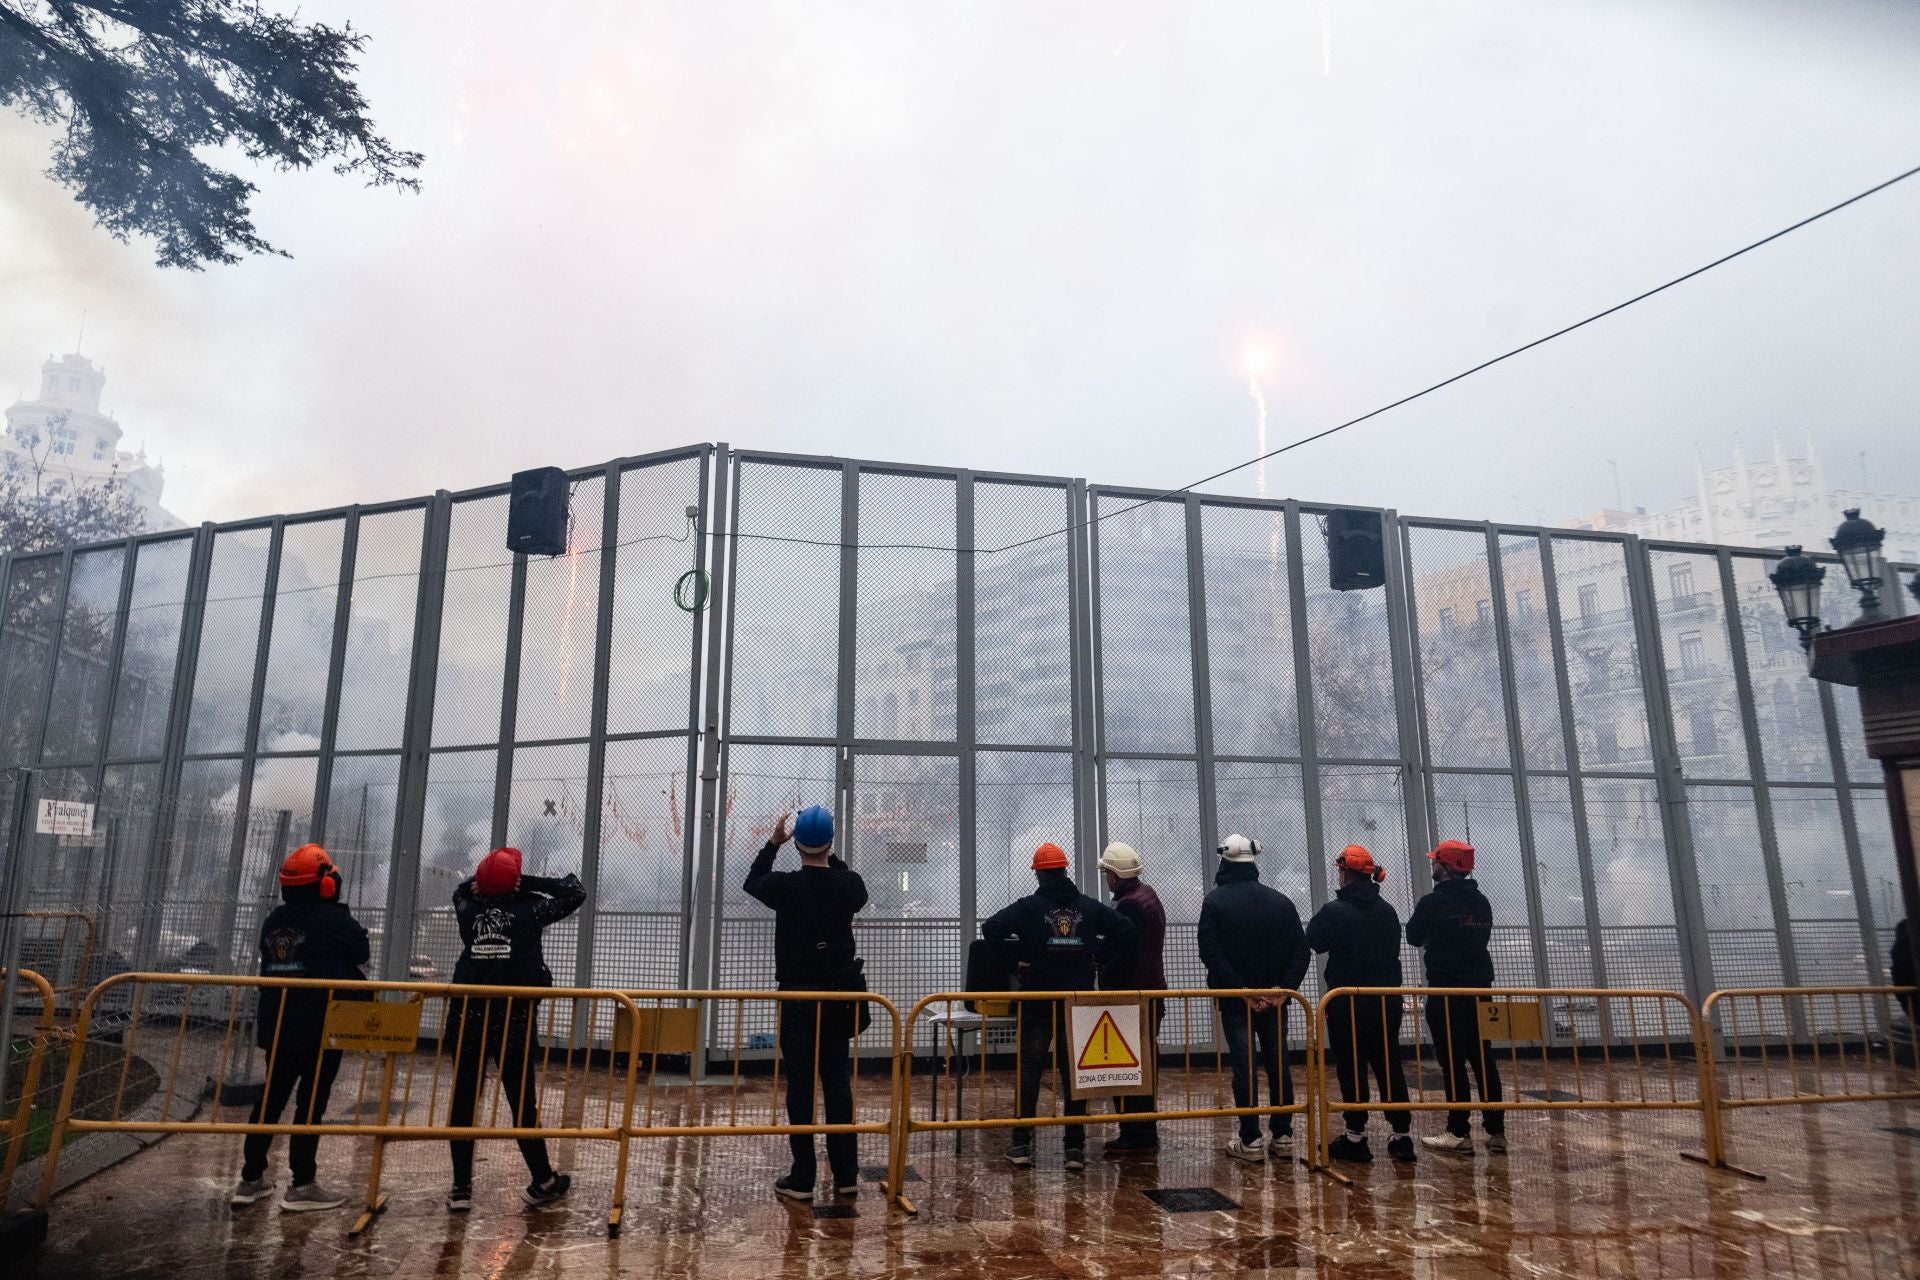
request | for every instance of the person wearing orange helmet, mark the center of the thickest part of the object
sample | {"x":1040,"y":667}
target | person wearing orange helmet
{"x":1057,"y":936}
{"x":1359,"y":932}
{"x":311,"y":934}
{"x":1453,"y":924}
{"x":502,"y":915}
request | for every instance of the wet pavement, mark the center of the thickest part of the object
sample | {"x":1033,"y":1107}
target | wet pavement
{"x":1579,"y":1195}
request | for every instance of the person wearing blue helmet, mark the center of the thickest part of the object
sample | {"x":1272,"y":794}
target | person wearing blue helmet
{"x":813,"y":950}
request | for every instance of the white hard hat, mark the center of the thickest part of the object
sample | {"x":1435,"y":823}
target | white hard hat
{"x":1121,"y":860}
{"x":1239,"y":849}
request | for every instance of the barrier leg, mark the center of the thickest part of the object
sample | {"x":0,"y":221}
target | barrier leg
{"x":897,"y":1132}
{"x":619,"y":1186}
{"x":65,"y":1112}
{"x":1712,"y":1118}
{"x":376,"y":1202}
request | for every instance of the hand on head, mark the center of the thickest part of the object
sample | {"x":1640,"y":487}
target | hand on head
{"x":781,"y":831}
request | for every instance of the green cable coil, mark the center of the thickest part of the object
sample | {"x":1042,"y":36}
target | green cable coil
{"x":690,"y":593}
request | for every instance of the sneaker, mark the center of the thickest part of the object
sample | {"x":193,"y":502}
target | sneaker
{"x":1020,"y":1155}
{"x":1400,"y":1147}
{"x":1076,"y":1158}
{"x":1458,"y":1144}
{"x":460,"y":1200}
{"x":541,"y":1193}
{"x":847,"y":1190}
{"x":247,"y":1190}
{"x":1130,"y":1144}
{"x":310,"y":1196}
{"x":1351,"y":1146}
{"x":787,"y":1188}
{"x":1280,"y":1144}
{"x":1496,"y":1144}
{"x":1253,"y":1152}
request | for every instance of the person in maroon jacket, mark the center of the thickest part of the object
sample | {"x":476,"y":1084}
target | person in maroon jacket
{"x":1143,"y":969}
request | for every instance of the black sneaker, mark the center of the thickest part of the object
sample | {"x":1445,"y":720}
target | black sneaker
{"x":1130,"y":1144}
{"x":460,"y":1200}
{"x":1349,"y":1146}
{"x":786,"y":1188}
{"x":1020,"y":1155}
{"x":847,"y":1190}
{"x":1076,"y":1158}
{"x":1400,"y":1147}
{"x":542,"y":1193}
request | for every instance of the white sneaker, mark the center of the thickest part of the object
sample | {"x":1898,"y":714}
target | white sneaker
{"x":1280,"y":1144}
{"x":1253,"y":1152}
{"x":1449,"y":1143}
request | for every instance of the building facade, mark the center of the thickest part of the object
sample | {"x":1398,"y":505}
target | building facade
{"x":64,"y":434}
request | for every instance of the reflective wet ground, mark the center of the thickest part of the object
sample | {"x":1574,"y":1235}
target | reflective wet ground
{"x":1578,"y":1195}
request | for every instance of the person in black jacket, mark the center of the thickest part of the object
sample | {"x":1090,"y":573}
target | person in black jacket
{"x":1250,"y":936}
{"x":1359,"y":931}
{"x":1454,"y":924}
{"x":311,"y":934}
{"x":502,"y":915}
{"x":1058,"y":934}
{"x":1903,"y":975}
{"x":813,"y":950}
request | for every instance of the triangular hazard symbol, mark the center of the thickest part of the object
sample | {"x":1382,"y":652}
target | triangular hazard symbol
{"x":1106,"y":1047}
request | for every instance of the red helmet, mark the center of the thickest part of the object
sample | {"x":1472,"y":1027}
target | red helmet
{"x":1356,"y":859}
{"x":1455,"y":855}
{"x":498,"y":874}
{"x":1049,"y":857}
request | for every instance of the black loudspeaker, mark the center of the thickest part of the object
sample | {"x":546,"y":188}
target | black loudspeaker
{"x":537,"y":512}
{"x":1356,"y":550}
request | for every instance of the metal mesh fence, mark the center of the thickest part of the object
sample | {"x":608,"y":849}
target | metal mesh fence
{"x":1624,"y":729}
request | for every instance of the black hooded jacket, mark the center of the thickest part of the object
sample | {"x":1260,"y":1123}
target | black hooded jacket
{"x":1360,"y":933}
{"x":1454,"y":923}
{"x":813,"y":910}
{"x":1060,"y":933}
{"x":1250,"y":933}
{"x":501,"y":936}
{"x":305,"y":936}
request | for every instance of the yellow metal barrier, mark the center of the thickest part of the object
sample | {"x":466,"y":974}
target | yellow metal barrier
{"x":1589,"y":1049}
{"x":51,"y":947}
{"x":197,"y":1026}
{"x":1809,"y":1046}
{"x":939,"y":1013}
{"x":17,"y":1128}
{"x":672,"y":1023}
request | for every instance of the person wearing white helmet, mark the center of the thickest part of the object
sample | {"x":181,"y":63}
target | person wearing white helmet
{"x":1142,"y":969}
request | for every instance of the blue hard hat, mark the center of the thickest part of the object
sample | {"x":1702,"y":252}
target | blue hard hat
{"x":813,"y":828}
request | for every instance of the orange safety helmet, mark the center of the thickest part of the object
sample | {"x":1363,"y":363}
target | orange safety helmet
{"x":1356,"y":859}
{"x":309,"y":864}
{"x":1049,"y":857}
{"x":1455,"y":855}
{"x":498,"y":873}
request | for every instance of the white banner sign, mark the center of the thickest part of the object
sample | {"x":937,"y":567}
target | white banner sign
{"x":65,"y":818}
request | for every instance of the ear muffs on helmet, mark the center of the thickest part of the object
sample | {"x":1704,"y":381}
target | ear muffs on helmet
{"x":330,"y":884}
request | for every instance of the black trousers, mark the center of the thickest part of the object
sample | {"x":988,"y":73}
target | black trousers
{"x":500,"y":1030}
{"x":816,"y":1041}
{"x":1132,"y":1104}
{"x":1363,"y":1035}
{"x":1269,"y":1028}
{"x":1044,"y":1039}
{"x":1454,"y":1022}
{"x":303,"y":1072}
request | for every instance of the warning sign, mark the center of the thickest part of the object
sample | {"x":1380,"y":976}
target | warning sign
{"x":64,"y":818}
{"x":1109,"y":1053}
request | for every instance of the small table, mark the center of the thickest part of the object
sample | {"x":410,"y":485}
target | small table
{"x":960,"y":1023}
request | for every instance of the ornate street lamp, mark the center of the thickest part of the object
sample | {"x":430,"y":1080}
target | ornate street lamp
{"x":1858,"y":542}
{"x":1797,"y":578}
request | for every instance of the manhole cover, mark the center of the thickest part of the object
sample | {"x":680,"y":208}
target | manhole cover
{"x":1190,"y":1199}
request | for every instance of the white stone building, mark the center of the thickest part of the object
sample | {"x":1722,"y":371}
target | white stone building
{"x":65,"y":432}
{"x":1777,"y":502}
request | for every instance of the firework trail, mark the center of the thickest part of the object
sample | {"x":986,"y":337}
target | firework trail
{"x":1260,"y":471}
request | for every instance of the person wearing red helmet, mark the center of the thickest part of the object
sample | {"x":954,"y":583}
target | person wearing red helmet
{"x":1453,"y":924}
{"x":1057,"y":936}
{"x":311,"y":934}
{"x":1359,"y":931}
{"x":502,"y":915}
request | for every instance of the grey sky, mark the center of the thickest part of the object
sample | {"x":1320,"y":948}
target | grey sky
{"x":1040,"y":238}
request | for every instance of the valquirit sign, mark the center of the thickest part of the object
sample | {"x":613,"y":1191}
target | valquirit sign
{"x":65,"y":818}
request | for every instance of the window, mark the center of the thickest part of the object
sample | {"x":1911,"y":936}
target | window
{"x":1523,"y":603}
{"x":1706,"y":732}
{"x":1680,"y":580}
{"x":1589,"y":602}
{"x":1606,"y":744}
{"x":1483,"y":611}
{"x":1598,"y":676}
{"x":1693,"y":653}
{"x":1446,"y":619}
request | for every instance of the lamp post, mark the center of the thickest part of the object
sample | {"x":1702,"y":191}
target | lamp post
{"x":1858,"y":543}
{"x":1797,"y":578}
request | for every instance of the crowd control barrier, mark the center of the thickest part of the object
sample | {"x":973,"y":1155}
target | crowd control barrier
{"x":413,"y":1057}
{"x":1812,"y":1046}
{"x":1115,"y":1046}
{"x":1558,"y":1049}
{"x":60,"y":945}
{"x":787,"y":1029}
{"x":20,"y":1123}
